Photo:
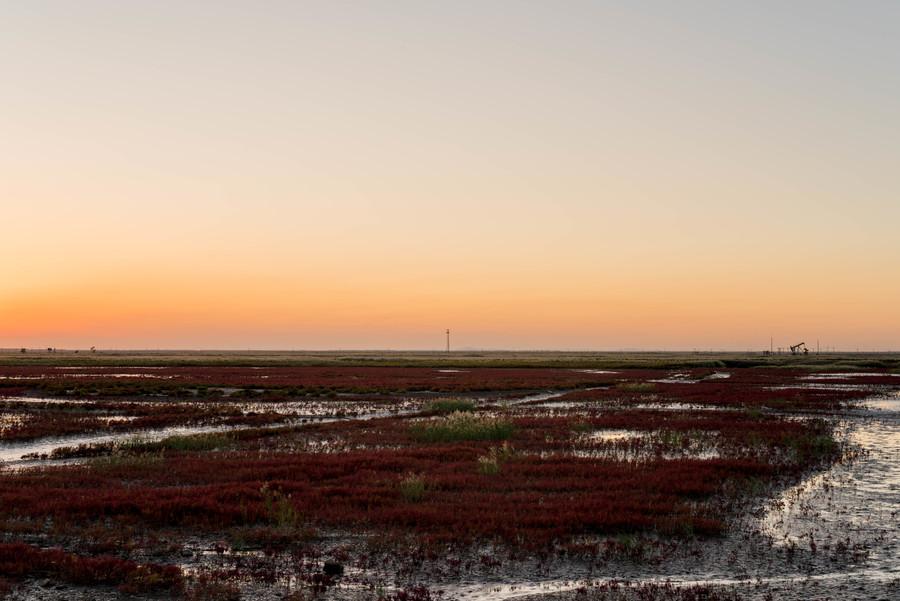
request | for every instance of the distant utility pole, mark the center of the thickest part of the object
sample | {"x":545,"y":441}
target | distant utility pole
{"x":448,"y":340}
{"x":817,"y":346}
{"x":771,"y":345}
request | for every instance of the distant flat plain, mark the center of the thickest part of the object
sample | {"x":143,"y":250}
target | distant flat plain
{"x":467,"y":358}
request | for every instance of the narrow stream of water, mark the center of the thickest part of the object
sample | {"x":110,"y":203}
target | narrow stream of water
{"x":16,"y":455}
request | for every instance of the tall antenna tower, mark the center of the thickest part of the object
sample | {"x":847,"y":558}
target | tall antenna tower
{"x":448,"y":340}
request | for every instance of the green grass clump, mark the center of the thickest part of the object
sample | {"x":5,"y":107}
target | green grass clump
{"x":460,"y":426}
{"x":140,"y":449}
{"x":412,"y":488}
{"x":582,"y":427}
{"x":450,"y":406}
{"x":753,"y":412}
{"x":196,"y":442}
{"x":279,"y":508}
{"x":636,"y":386}
{"x":185,"y":443}
{"x":814,"y":447}
{"x":489,"y":464}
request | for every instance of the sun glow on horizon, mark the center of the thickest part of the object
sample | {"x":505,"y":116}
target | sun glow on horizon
{"x":316,"y":176}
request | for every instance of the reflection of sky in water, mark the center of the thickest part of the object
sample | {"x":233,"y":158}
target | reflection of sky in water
{"x":13,"y":452}
{"x":615,"y":434}
{"x":889,"y":403}
{"x":682,"y":407}
{"x":9,"y":420}
{"x":821,"y":386}
{"x":312,"y":410}
{"x":859,"y":500}
{"x":844,"y":376}
{"x":87,"y":375}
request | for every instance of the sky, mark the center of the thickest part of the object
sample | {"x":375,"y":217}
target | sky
{"x":532,"y":175}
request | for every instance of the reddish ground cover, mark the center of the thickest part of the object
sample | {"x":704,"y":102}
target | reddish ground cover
{"x":19,"y":560}
{"x":542,"y":495}
{"x":535,"y":501}
{"x":37,"y":420}
{"x":300,"y":379}
{"x":670,"y":472}
{"x":779,"y":389}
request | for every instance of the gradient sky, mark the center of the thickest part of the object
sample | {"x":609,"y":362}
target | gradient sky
{"x":580,"y":175}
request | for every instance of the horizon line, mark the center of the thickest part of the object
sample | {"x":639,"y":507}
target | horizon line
{"x":785,"y":351}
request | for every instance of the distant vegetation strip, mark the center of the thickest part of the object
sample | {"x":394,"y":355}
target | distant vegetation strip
{"x":459,"y":360}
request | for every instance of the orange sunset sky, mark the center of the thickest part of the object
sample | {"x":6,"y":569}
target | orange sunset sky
{"x":532,"y":175}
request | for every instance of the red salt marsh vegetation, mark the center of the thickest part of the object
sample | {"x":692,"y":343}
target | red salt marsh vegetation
{"x":616,"y":464}
{"x":291,"y":380}
{"x":19,"y":560}
{"x":36,"y":419}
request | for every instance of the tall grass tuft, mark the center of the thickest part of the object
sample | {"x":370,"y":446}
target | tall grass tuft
{"x":412,"y":487}
{"x":490,"y":464}
{"x":460,"y":426}
{"x":279,"y":508}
